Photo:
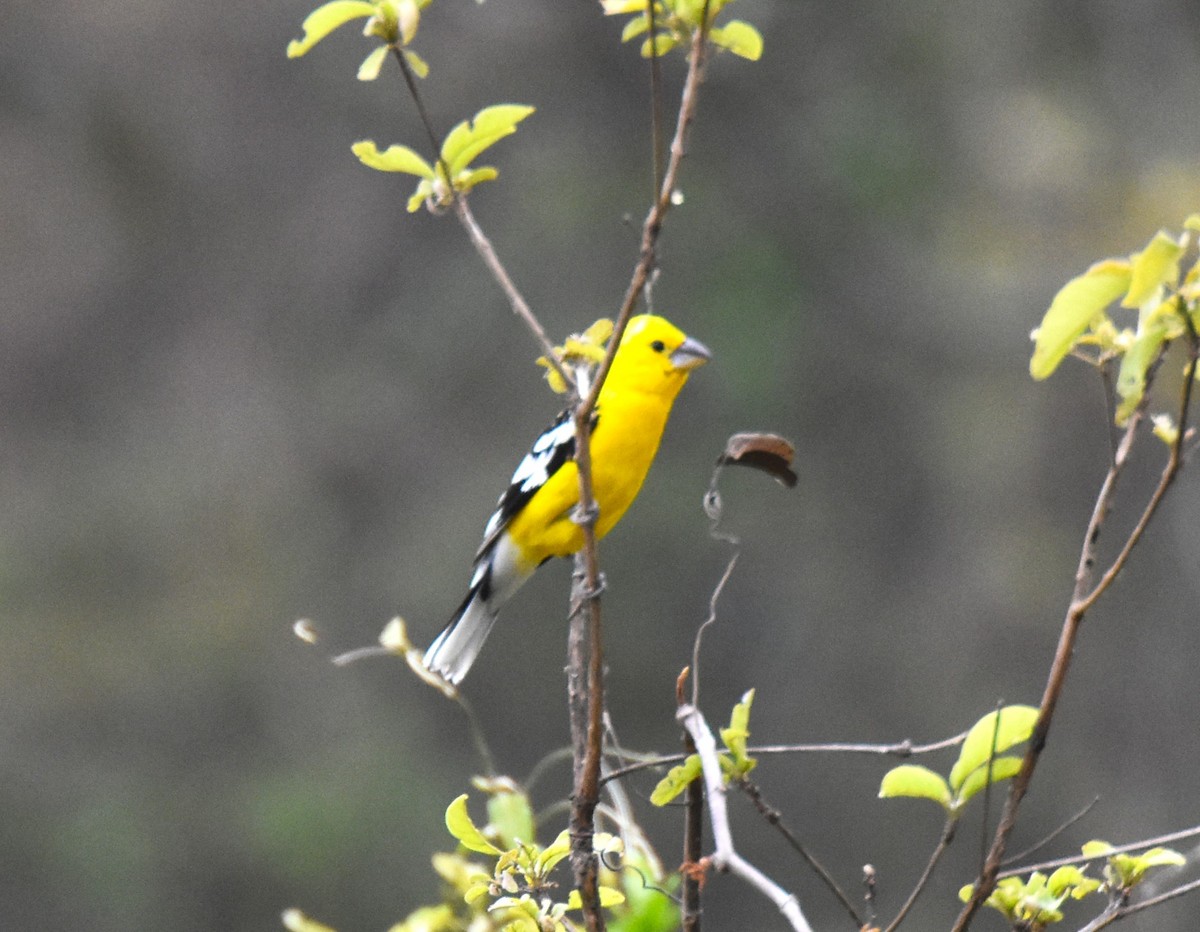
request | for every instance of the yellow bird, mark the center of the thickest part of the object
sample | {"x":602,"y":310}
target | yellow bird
{"x":533,"y":519}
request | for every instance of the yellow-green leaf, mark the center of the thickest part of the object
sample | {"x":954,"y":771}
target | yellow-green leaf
{"x":512,"y":817}
{"x":408,"y":17}
{"x":469,"y":138}
{"x":324,"y":20}
{"x":392,"y":159}
{"x":608,"y":897}
{"x":617,"y":7}
{"x":423,"y":193}
{"x":676,"y":780}
{"x":915,"y":781}
{"x":740,"y":38}
{"x":635,"y":27}
{"x":369,"y":69}
{"x":1078,"y":303}
{"x":1135,"y":363}
{"x":460,"y":825}
{"x":995,"y":733}
{"x":416,"y":63}
{"x":1001,"y":769}
{"x":464,"y":181}
{"x":1154,"y":266}
{"x":659,"y":45}
{"x":736,"y":735}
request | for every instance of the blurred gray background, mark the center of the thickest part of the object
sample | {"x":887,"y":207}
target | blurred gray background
{"x":239,"y":385}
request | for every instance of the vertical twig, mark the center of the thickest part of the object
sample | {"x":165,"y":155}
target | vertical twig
{"x":585,"y":600}
{"x":1085,"y":595}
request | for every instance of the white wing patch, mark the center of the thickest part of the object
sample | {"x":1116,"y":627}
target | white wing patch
{"x":534,"y":469}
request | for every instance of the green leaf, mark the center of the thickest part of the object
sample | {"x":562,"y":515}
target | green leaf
{"x":608,"y":897}
{"x":392,"y":159}
{"x":635,"y":27}
{"x":676,"y":780}
{"x":1135,"y":363}
{"x":740,"y":38}
{"x":512,"y":817}
{"x":986,"y":737}
{"x":738,"y":732}
{"x":548,"y":858}
{"x":1154,"y":266}
{"x":466,"y":180}
{"x":617,"y":7}
{"x":659,"y":45}
{"x":1002,"y":768}
{"x":1078,"y":303}
{"x":369,"y":69}
{"x":1095,"y":849}
{"x":423,"y":193}
{"x":459,"y":823}
{"x":915,"y":781}
{"x":408,"y":17}
{"x":416,"y":63}
{"x":324,"y":20}
{"x":1162,"y":857}
{"x":469,"y":138}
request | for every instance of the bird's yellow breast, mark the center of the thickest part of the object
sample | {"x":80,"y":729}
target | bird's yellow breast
{"x":623,"y":446}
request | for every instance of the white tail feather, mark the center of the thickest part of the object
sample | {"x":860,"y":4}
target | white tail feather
{"x":455,"y":649}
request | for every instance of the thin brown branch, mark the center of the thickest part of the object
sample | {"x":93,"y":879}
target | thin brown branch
{"x":487,"y":253}
{"x":1142,"y":845}
{"x":655,"y":102}
{"x":693,"y":850}
{"x":1108,"y":917}
{"x":410,"y":79}
{"x":725,"y":856}
{"x":775,"y":818}
{"x":652,"y":225}
{"x":901,"y":749}
{"x":943,"y":843}
{"x":1041,"y":843}
{"x":1084,"y":597}
{"x":585,"y":608}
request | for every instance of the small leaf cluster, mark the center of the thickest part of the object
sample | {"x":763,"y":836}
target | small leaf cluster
{"x":519,"y":890}
{"x":674,"y":22}
{"x":736,"y":762}
{"x":393,"y":21}
{"x":1031,"y":905}
{"x":1153,"y":284}
{"x":516,"y":891}
{"x":584,"y":350}
{"x":1124,"y":871}
{"x":981,"y":761}
{"x":452,"y":173}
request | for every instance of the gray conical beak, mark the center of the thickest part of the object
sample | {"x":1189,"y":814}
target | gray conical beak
{"x":691,"y":353}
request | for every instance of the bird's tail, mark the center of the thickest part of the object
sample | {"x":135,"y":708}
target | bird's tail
{"x":455,"y":649}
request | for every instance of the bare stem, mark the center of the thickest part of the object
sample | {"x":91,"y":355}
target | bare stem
{"x":586,"y":601}
{"x":942,"y":845}
{"x":1084,"y":597}
{"x":487,"y":253}
{"x":775,"y":818}
{"x":1119,"y":849}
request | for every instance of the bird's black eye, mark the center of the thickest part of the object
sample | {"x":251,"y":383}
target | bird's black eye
{"x":658,"y":346}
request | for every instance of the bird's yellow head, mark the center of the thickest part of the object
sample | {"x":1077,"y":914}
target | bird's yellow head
{"x":655,"y":356}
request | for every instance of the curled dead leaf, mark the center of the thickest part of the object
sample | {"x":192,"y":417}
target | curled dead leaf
{"x":769,"y":453}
